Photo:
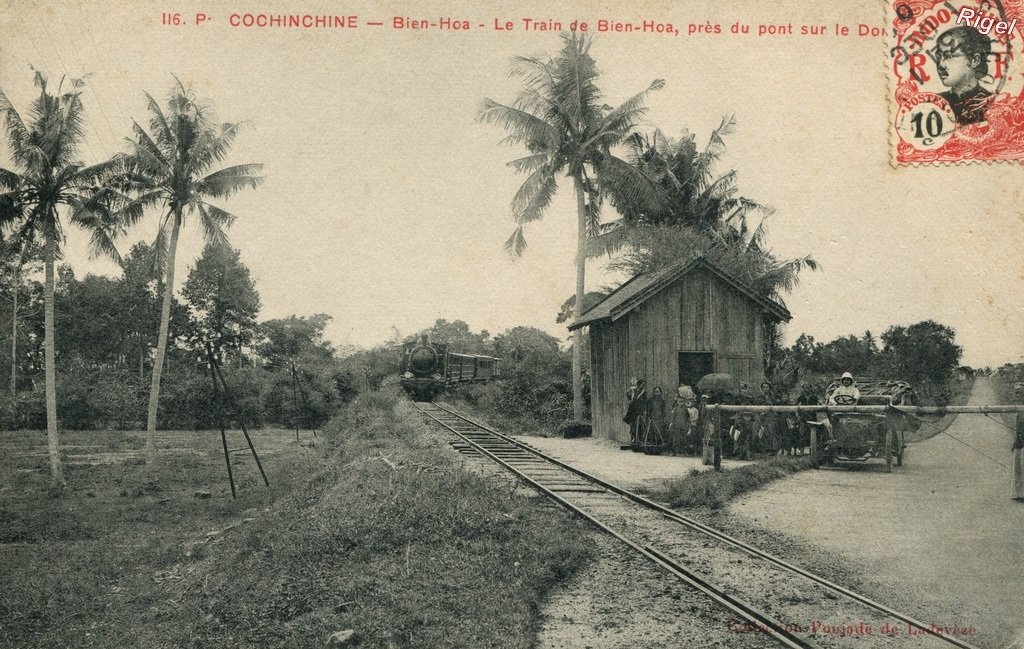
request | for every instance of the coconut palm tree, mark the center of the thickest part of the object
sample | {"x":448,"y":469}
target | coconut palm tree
{"x":702,"y":213}
{"x":171,"y":168}
{"x":567,"y":130}
{"x":50,"y":179}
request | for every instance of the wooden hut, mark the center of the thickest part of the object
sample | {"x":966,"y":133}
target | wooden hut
{"x":670,"y":327}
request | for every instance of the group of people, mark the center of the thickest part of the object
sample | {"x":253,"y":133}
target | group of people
{"x":680,"y":430}
{"x":653,"y":427}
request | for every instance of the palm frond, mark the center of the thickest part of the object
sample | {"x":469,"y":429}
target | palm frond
{"x":212,"y":145}
{"x":523,"y":127}
{"x":214,"y":221}
{"x":628,"y":113}
{"x":612,"y":238}
{"x":530,"y":162}
{"x":25,"y":150}
{"x":158,"y":122}
{"x":9,"y":179}
{"x":628,"y":186}
{"x":534,"y":195}
{"x":146,"y":151}
{"x":230,"y":180}
{"x":516,"y":243}
{"x":716,"y":143}
{"x":12,"y":208}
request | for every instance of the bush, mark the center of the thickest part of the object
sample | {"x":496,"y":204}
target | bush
{"x":308,"y":406}
{"x":534,"y":392}
{"x":87,"y":399}
{"x":372,"y":415}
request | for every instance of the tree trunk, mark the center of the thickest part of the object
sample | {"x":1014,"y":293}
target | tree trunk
{"x":161,"y":342}
{"x":14,"y":347}
{"x":49,"y":354}
{"x":581,"y":273}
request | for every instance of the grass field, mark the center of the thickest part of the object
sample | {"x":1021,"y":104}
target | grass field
{"x":378,"y":529}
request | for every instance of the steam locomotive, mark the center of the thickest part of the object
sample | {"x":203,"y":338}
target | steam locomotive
{"x":428,"y":368}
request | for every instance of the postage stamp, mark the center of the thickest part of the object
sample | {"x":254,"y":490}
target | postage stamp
{"x":957,"y":90}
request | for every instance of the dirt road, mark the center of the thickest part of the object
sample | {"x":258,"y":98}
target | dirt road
{"x":941,"y":530}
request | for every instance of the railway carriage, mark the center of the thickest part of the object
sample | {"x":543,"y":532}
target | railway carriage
{"x":858,"y":436}
{"x":428,"y":368}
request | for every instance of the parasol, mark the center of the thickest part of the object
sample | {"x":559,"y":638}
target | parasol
{"x":718,"y":383}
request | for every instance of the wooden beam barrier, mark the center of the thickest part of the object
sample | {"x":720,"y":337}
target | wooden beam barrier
{"x":909,"y":410}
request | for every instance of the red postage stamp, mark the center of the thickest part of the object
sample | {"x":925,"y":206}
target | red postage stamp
{"x":957,"y":85}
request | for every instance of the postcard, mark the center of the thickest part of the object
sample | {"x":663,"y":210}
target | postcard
{"x":805,"y":179}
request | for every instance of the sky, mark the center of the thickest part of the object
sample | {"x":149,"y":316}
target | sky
{"x":386,"y":202}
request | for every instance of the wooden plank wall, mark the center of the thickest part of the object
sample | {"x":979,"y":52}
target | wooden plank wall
{"x":699,"y":312}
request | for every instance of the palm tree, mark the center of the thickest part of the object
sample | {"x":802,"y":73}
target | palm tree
{"x":701,"y":214}
{"x":566,"y":128}
{"x":49,"y":179}
{"x":170,"y":167}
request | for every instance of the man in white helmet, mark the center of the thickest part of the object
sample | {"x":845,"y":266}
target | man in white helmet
{"x":846,"y":393}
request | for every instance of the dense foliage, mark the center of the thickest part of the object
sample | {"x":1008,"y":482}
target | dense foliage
{"x":535,"y":391}
{"x":281,"y":371}
{"x":1007,"y":378}
{"x":924,"y":353}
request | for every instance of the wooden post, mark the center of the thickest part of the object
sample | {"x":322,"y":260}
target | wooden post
{"x":295,"y":399}
{"x":889,"y":430}
{"x":705,"y":447}
{"x":815,"y":458}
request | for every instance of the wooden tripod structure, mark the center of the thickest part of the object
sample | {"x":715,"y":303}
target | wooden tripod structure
{"x":297,"y":394}
{"x":222,"y":400}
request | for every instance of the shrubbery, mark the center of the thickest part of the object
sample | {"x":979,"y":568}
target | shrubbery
{"x":535,"y":391}
{"x":97,"y":398}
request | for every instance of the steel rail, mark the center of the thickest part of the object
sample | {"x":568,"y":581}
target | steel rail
{"x":836,"y":409}
{"x":763,"y":621}
{"x":722,"y":536}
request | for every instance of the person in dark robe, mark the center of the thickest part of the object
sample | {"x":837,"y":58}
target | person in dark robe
{"x":630,"y":396}
{"x":636,"y":411}
{"x":682,"y":422}
{"x":742,"y":432}
{"x":656,"y":414}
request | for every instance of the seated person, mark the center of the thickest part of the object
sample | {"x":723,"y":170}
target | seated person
{"x":846,"y":393}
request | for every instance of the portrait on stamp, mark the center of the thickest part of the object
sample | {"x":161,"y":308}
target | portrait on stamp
{"x":961,"y":59}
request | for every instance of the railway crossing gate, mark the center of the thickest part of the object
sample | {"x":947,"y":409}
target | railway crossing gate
{"x":894,"y":415}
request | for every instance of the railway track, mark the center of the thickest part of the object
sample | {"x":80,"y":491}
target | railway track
{"x":615,"y":511}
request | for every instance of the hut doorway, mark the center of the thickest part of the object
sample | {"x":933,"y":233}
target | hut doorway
{"x":694,"y":365}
